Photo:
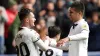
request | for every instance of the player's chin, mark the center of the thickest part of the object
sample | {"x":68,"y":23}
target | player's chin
{"x":33,"y":25}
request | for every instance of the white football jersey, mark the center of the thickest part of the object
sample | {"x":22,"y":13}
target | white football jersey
{"x":51,"y":51}
{"x":27,"y":43}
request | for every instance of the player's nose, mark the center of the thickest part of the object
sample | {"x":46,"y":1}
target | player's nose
{"x":34,"y":19}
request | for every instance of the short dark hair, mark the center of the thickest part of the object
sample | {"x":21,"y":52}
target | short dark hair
{"x":24,"y":13}
{"x":79,"y":6}
{"x":53,"y":31}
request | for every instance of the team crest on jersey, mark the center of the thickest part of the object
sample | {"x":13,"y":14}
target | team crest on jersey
{"x":84,"y":26}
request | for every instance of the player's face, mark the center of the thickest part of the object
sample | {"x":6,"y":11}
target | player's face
{"x":73,"y":15}
{"x":58,"y":37}
{"x":31,"y":19}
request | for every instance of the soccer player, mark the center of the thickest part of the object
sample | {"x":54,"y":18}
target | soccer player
{"x":79,"y":32}
{"x":54,"y":33}
{"x":27,"y":40}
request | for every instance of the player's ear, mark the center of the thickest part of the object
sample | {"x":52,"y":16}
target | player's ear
{"x":80,"y":13}
{"x":26,"y":20}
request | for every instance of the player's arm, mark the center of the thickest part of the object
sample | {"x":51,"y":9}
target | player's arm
{"x":39,"y":43}
{"x":82,"y":35}
{"x":59,"y":53}
{"x":53,"y":43}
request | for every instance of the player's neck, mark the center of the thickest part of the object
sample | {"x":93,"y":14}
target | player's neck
{"x":77,"y":20}
{"x":43,"y":37}
{"x":25,"y":25}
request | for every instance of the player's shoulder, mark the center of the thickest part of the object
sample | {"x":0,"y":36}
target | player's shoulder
{"x":84,"y":25}
{"x":82,"y":21}
{"x":24,"y":31}
{"x":27,"y":31}
{"x":30,"y":31}
{"x":34,"y":32}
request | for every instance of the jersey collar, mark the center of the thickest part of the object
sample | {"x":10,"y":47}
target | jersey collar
{"x":24,"y":27}
{"x":79,"y":21}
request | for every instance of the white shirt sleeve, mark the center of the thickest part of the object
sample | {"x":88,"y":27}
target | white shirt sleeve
{"x":41,"y":45}
{"x":53,"y":43}
{"x":39,"y":42}
{"x":60,"y":53}
{"x":82,"y":35}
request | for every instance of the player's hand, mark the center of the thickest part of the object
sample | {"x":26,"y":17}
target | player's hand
{"x":62,"y":41}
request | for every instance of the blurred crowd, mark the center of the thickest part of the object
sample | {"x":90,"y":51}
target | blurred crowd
{"x":47,"y":13}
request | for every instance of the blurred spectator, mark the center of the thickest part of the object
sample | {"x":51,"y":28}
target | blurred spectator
{"x":85,"y":2}
{"x":50,"y":18}
{"x":14,"y":29}
{"x":76,"y":0}
{"x":11,"y":13}
{"x":39,"y":24}
{"x":29,"y":6}
{"x":68,"y":3}
{"x":44,"y":11}
{"x":62,"y":19}
{"x":50,"y":6}
{"x":32,"y":1}
{"x":22,"y":2}
{"x":93,"y":25}
{"x":54,"y":1}
{"x":64,"y":23}
{"x":43,"y":3}
{"x":98,"y":4}
{"x":60,"y":10}
{"x":90,"y":6}
{"x":49,"y":14}
{"x":3,"y":19}
{"x":88,"y":19}
{"x":36,"y":6}
{"x":98,"y":36}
